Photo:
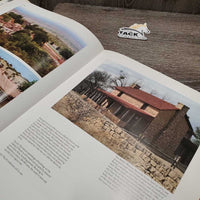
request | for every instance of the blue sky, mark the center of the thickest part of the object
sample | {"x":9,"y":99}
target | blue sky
{"x":18,"y":65}
{"x":48,"y":22}
{"x":158,"y":89}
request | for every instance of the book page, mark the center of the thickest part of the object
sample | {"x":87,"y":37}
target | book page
{"x":33,"y":43}
{"x":3,"y":2}
{"x":98,"y":136}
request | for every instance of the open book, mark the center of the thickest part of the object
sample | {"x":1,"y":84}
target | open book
{"x":80,"y":122}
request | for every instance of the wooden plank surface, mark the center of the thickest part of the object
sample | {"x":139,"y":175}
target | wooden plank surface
{"x":173,"y":47}
{"x":185,"y":6}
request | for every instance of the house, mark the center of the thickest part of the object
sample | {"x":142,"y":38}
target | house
{"x":53,"y":53}
{"x":158,"y":123}
{"x":10,"y":80}
{"x":10,"y":27}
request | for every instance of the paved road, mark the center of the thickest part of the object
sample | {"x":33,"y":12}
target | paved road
{"x":173,"y":47}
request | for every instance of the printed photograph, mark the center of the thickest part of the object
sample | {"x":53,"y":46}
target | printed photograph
{"x":151,"y":126}
{"x":39,"y":40}
{"x":31,"y":46}
{"x":15,"y":76}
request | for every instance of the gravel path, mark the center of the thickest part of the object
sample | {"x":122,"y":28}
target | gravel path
{"x":173,"y":47}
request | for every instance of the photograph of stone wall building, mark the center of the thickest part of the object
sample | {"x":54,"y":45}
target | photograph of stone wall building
{"x":148,"y":118}
{"x":154,"y":134}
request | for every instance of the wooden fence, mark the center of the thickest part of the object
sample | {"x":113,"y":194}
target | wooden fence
{"x":185,"y":6}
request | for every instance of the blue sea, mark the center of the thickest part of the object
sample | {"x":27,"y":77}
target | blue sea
{"x":19,"y":66}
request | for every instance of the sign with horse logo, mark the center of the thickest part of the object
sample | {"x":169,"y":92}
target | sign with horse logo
{"x":135,"y":31}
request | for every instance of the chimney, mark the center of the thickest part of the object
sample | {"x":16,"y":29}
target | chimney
{"x":182,"y":107}
{"x":179,"y":106}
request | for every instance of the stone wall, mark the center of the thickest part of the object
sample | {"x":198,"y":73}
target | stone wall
{"x":158,"y":124}
{"x":175,"y":131}
{"x":168,"y":126}
{"x":73,"y":107}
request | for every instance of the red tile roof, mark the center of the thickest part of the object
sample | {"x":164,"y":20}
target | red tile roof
{"x":147,"y":98}
{"x":125,"y":103}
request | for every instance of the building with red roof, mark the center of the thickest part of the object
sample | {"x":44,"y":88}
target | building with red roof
{"x":10,"y":27}
{"x":158,"y":123}
{"x":146,"y":98}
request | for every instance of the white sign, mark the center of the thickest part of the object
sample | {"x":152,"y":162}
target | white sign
{"x":135,"y":31}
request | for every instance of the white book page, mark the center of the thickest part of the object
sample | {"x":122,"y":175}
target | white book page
{"x":34,"y":42}
{"x":57,"y":159}
{"x":3,"y":2}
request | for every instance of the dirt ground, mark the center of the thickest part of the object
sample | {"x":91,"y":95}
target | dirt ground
{"x":173,"y":47}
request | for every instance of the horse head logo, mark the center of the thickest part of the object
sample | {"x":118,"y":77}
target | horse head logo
{"x":142,"y":28}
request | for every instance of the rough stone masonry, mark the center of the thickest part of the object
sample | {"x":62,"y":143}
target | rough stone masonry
{"x":77,"y":110}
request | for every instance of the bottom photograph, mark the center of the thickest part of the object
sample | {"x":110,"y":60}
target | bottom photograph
{"x":149,"y":125}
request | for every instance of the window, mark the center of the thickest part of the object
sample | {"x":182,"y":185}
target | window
{"x":120,"y":94}
{"x":120,"y":112}
{"x":110,"y":103}
{"x":144,"y":106}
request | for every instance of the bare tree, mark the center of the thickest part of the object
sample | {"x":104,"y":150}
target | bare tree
{"x":121,"y":80}
{"x":97,"y":79}
{"x":153,"y":92}
{"x":165,"y":98}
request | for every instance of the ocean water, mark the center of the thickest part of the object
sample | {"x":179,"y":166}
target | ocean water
{"x":19,"y":65}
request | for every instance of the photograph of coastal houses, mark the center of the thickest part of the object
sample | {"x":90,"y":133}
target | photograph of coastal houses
{"x":15,"y":76}
{"x":38,"y":40}
{"x":149,"y":125}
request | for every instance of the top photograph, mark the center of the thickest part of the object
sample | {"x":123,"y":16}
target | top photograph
{"x":32,"y":44}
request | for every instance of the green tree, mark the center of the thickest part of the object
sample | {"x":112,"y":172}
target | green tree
{"x":29,"y":47}
{"x":97,"y":79}
{"x":40,"y":36}
{"x":45,"y":69}
{"x":26,"y":85}
{"x":66,"y":53}
{"x":32,"y":27}
{"x":6,"y":18}
{"x":18,"y":18}
{"x":197,"y":136}
{"x":21,"y":37}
